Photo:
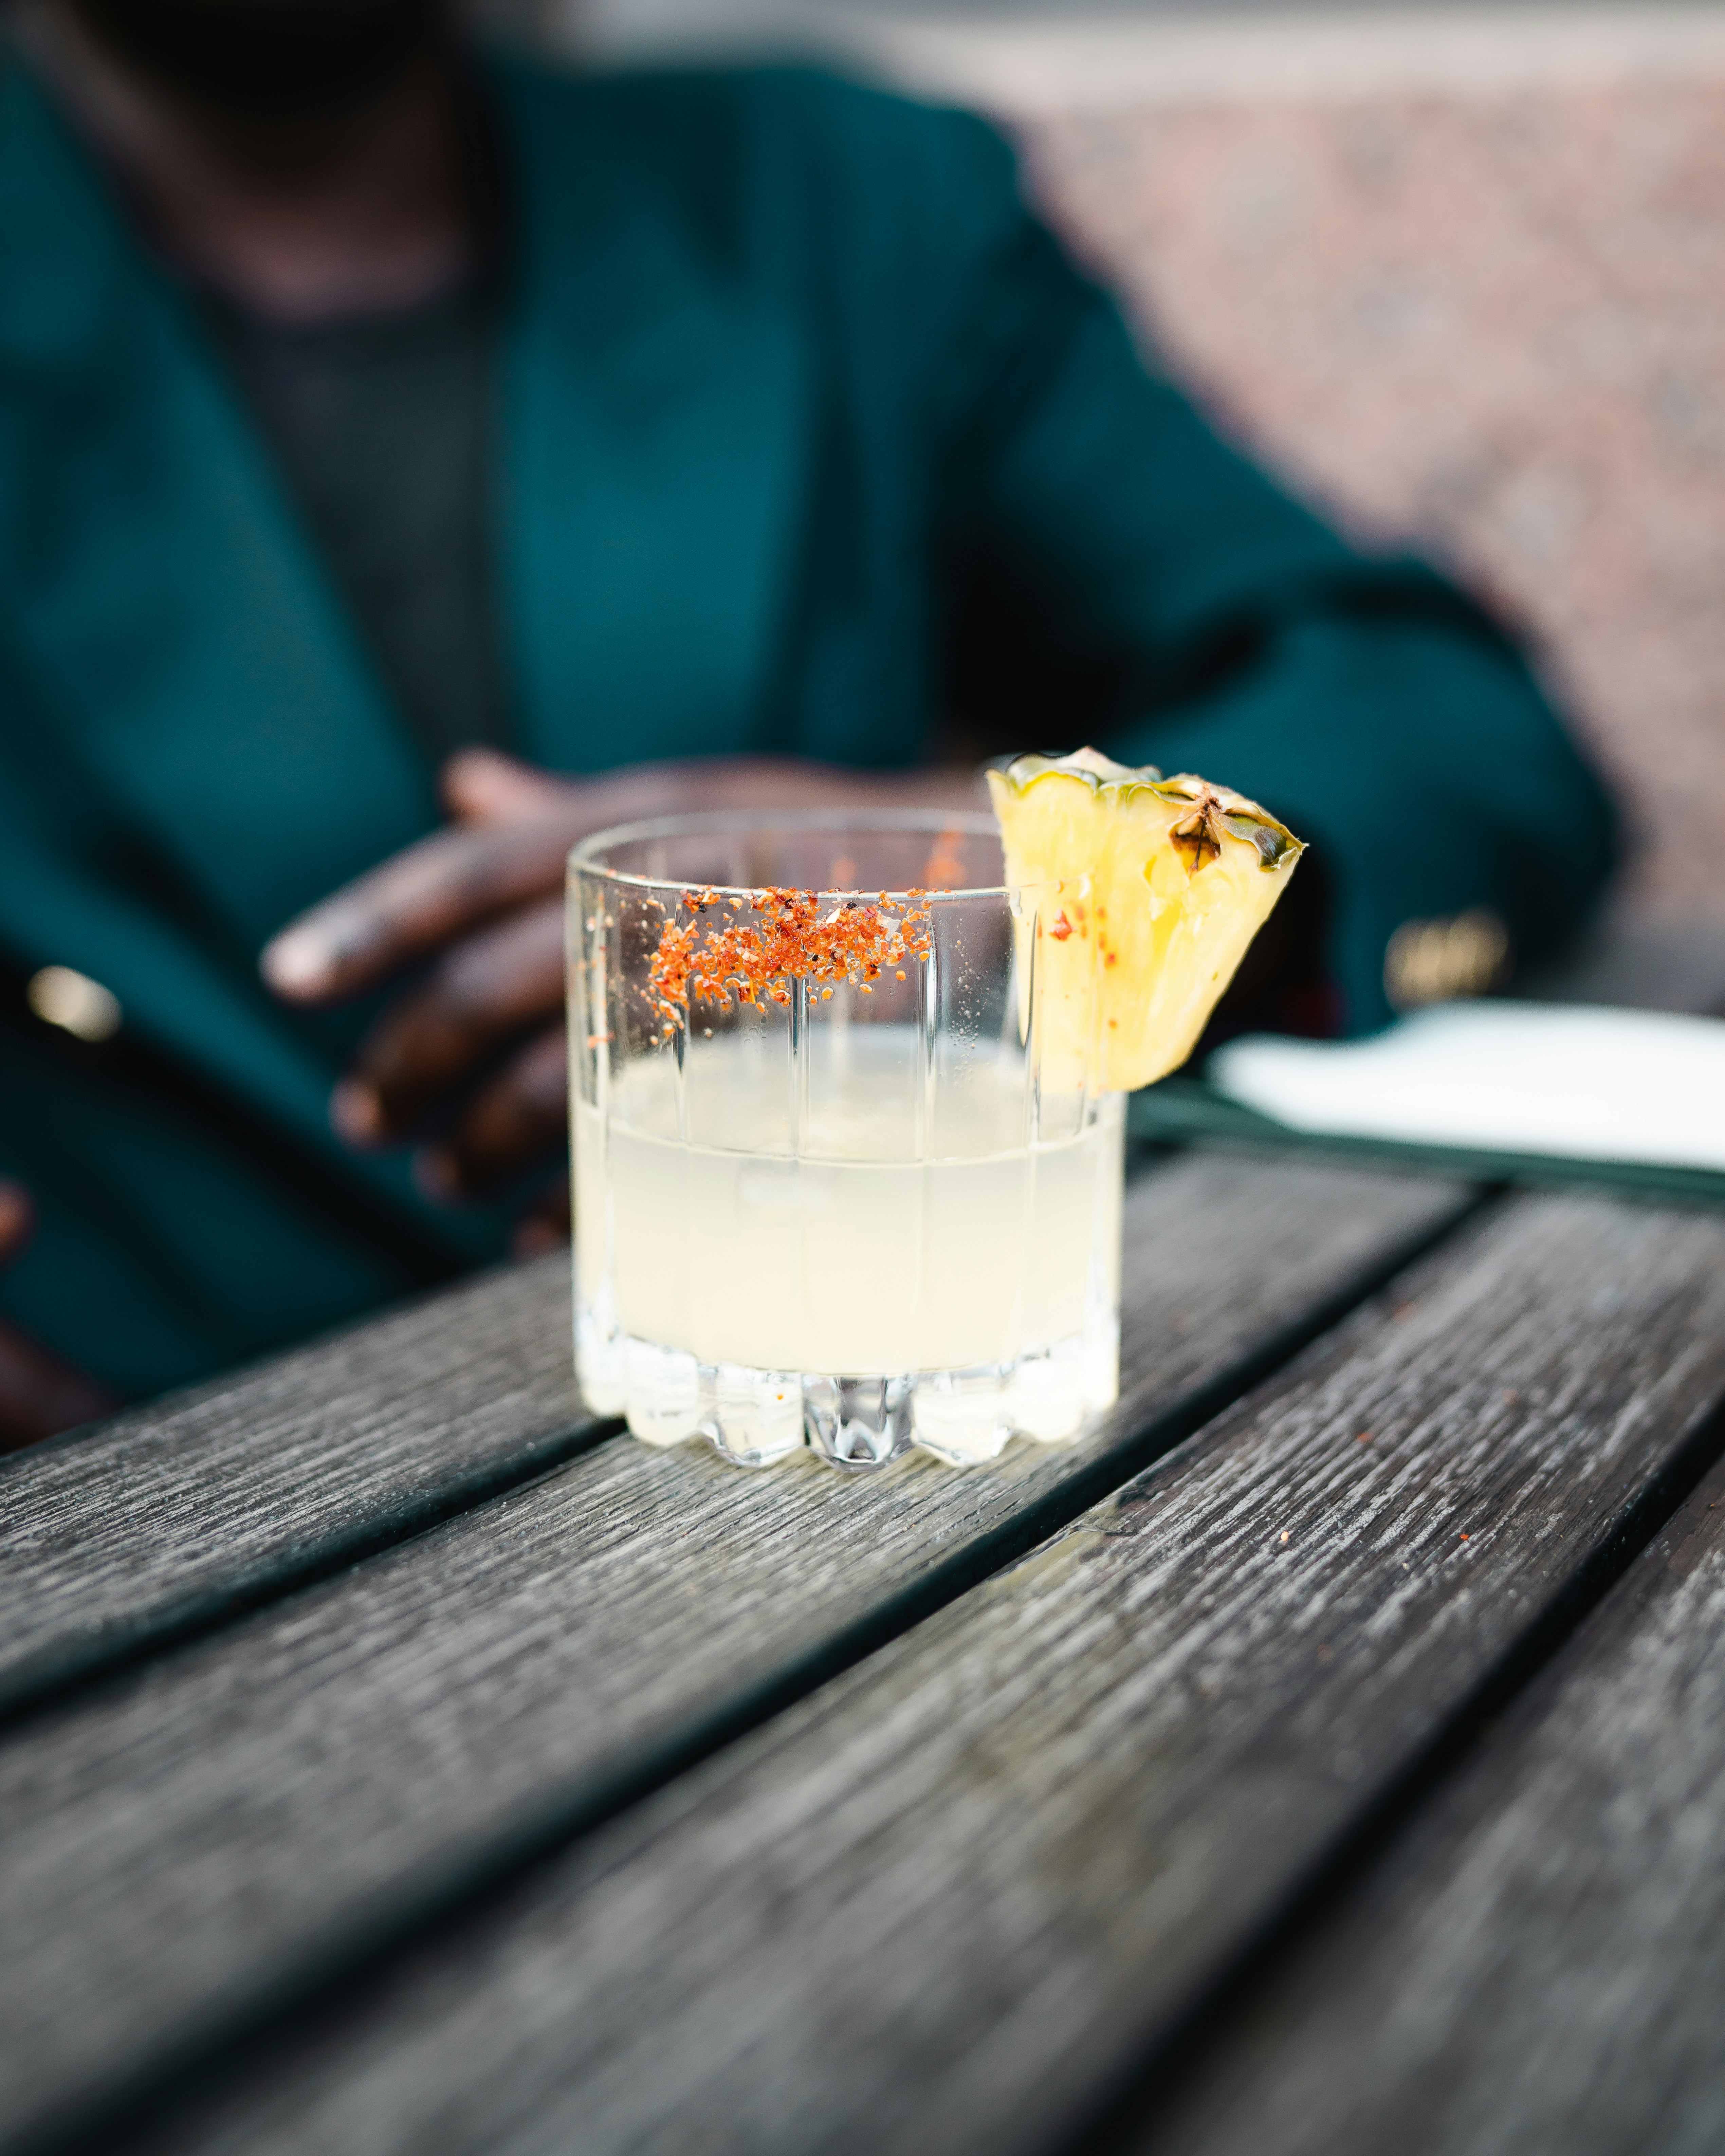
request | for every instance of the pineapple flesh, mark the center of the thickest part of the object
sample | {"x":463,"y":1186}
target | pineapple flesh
{"x":1137,"y":897}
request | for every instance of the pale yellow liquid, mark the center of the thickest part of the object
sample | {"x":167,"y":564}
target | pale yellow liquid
{"x":855,"y":1256}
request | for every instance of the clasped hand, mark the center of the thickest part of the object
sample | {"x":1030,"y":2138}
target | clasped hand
{"x":469,"y":1061}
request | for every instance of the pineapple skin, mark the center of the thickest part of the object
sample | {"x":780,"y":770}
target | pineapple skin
{"x":1138,"y":898}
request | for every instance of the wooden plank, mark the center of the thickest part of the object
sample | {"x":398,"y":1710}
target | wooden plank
{"x":120,"y":1537}
{"x":333,"y":1762}
{"x":943,"y":1903}
{"x":1536,"y":1969}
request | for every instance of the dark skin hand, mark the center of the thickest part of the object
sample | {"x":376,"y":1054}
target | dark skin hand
{"x":39,"y":1395}
{"x":475,"y":1046}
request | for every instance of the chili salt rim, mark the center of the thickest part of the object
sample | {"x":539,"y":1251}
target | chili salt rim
{"x":786,"y":938}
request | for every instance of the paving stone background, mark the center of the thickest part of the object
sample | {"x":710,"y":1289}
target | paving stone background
{"x":1494,"y":322}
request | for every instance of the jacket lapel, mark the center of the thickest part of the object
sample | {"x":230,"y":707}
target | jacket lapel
{"x":656,"y":449}
{"x":154,"y":573}
{"x":191,"y":746}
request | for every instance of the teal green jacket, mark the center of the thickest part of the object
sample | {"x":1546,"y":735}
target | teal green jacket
{"x":810,"y":441}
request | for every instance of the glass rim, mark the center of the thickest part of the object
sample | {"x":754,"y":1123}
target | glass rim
{"x":718,"y":823}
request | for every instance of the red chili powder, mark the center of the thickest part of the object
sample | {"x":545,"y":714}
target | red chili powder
{"x":714,"y":957}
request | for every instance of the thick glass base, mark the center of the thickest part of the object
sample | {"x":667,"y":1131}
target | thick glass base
{"x":755,"y":1418}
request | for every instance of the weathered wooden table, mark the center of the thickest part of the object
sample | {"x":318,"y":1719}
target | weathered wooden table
{"x":1327,"y":1755}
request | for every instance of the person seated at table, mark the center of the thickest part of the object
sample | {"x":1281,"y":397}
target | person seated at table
{"x":411,"y":460}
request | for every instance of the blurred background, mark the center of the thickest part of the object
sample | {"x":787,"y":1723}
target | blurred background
{"x":1458,"y":270}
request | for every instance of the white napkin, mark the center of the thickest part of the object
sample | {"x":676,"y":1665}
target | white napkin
{"x":1578,"y":1081}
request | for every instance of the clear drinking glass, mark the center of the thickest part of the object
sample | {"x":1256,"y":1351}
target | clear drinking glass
{"x":842,"y":1212}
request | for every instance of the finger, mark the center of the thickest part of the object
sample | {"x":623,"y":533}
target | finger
{"x":452,"y":882}
{"x":479,"y":786}
{"x":488,"y":988}
{"x":18,"y":1217}
{"x":40,"y":1395}
{"x":514,"y":1121}
{"x":546,"y":1226}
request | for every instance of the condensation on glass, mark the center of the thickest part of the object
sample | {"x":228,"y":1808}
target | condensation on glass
{"x":855,"y":1221}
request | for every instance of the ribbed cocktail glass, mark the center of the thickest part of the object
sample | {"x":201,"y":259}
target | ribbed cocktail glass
{"x":840,"y":1213}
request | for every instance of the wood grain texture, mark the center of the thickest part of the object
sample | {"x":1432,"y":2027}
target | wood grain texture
{"x":158,"y":1518}
{"x":1537,"y":1968}
{"x":170,"y":1847}
{"x":940,"y":1904}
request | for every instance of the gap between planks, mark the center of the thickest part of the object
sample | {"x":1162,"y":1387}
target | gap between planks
{"x":126,"y":1540}
{"x":947,"y":1901}
{"x":1534,"y":1968}
{"x":411,"y":1733}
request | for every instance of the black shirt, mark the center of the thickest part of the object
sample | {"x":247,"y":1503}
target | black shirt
{"x":382,"y":428}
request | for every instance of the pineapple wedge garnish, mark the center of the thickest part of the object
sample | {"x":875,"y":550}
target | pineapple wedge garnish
{"x":1140,"y":894}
